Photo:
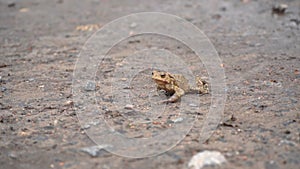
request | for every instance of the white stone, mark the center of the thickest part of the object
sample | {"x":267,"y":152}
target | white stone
{"x":206,"y":158}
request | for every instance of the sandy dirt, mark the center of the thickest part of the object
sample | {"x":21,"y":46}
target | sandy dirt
{"x":40,"y":42}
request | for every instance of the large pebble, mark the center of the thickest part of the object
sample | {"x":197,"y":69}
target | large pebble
{"x":206,"y":158}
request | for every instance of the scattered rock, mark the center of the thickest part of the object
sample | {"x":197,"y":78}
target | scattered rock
{"x":193,"y":105}
{"x":24,"y":10}
{"x":49,"y":127}
{"x":12,"y":155}
{"x":279,"y":9}
{"x":271,"y":165}
{"x":31,"y":79}
{"x":255,"y":44}
{"x":287,"y":132}
{"x":129,"y":106}
{"x":295,"y":21}
{"x":206,"y":158}
{"x":90,"y":86}
{"x":55,"y":122}
{"x":133,"y":25}
{"x":272,"y":83}
{"x":69,"y":103}
{"x":3,"y":65}
{"x":3,"y":89}
{"x":287,"y":142}
{"x":229,"y":122}
{"x":89,"y":27}
{"x":24,"y":133}
{"x":180,"y":119}
{"x":95,"y":151}
{"x":94,"y":123}
{"x":288,"y":122}
{"x":11,"y":4}
{"x":86,"y":126}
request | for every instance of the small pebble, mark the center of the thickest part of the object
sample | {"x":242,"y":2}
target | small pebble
{"x":180,"y":119}
{"x":49,"y":127}
{"x":86,"y":126}
{"x":133,"y":25}
{"x":287,"y":142}
{"x":11,"y":4}
{"x":24,"y":10}
{"x":12,"y":155}
{"x":95,"y":151}
{"x":119,"y":64}
{"x":129,"y":106}
{"x":271,"y":165}
{"x":193,"y":105}
{"x":69,"y":102}
{"x":31,"y":79}
{"x":55,"y":122}
{"x":94,"y":123}
{"x":90,"y":86}
{"x":3,"y":89}
{"x":279,"y":9}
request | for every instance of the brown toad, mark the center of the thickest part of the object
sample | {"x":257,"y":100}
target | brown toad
{"x":177,"y":85}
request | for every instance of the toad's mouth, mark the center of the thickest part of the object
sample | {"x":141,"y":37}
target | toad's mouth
{"x":160,"y":82}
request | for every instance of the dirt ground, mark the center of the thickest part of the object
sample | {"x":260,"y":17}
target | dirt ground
{"x":259,"y":47}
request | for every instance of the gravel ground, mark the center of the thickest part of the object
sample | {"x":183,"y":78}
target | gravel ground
{"x":258,"y":45}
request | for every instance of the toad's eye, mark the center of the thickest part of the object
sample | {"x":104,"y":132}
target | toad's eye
{"x":152,"y":73}
{"x":163,"y":75}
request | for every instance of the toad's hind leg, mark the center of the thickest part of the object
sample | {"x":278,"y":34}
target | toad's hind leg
{"x":178,"y":93}
{"x":202,"y":86}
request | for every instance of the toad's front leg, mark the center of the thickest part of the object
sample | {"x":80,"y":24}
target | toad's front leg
{"x":177,"y":94}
